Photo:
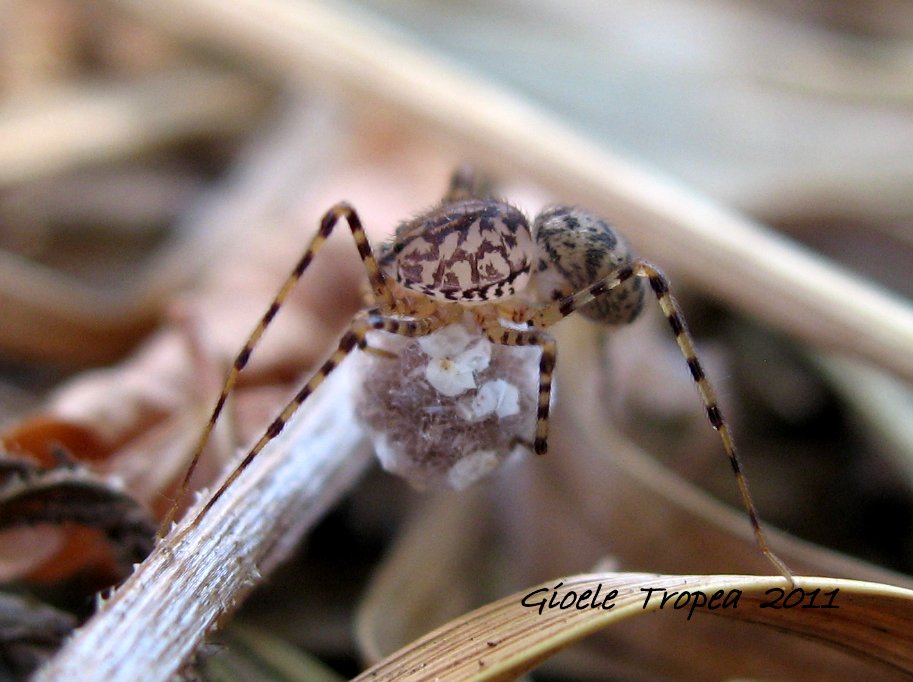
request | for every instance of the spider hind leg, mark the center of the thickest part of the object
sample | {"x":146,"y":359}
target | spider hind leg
{"x":550,"y":313}
{"x":354,"y":338}
{"x":382,"y":296}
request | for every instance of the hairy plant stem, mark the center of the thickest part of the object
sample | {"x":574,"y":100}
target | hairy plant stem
{"x":196,"y":576}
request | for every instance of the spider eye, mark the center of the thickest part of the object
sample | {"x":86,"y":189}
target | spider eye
{"x":398,"y":247}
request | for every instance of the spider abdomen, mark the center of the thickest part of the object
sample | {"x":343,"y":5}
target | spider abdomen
{"x":468,"y":250}
{"x":577,"y":249}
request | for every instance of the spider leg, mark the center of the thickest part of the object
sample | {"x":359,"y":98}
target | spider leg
{"x":379,"y":352}
{"x":515,"y":337}
{"x":354,"y":337}
{"x":553,"y":312}
{"x":382,"y":296}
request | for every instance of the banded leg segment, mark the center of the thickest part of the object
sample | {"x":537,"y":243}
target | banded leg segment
{"x":660,"y":286}
{"x":355,"y":337}
{"x":382,"y":296}
{"x":553,"y":312}
{"x":513,"y":337}
{"x":550,"y":313}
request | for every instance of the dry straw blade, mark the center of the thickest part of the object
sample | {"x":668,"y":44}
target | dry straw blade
{"x":506,"y":638}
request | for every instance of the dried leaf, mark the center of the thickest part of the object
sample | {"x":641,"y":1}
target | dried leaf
{"x":30,"y":632}
{"x":509,"y":637}
{"x":72,"y":495}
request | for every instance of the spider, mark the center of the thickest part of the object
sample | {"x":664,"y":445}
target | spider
{"x":474,"y":260}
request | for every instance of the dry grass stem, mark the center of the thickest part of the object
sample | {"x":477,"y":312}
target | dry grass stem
{"x":70,"y":126}
{"x":157,"y":619}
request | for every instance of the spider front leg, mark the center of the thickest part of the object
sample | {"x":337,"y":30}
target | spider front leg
{"x":514,"y":337}
{"x":553,"y":312}
{"x":382,"y":296}
{"x":355,"y":337}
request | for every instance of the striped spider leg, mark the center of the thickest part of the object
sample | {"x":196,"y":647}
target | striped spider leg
{"x":378,"y":318}
{"x":583,"y":248}
{"x":495,"y":332}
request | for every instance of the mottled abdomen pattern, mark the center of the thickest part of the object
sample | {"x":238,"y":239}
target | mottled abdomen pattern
{"x":468,"y":250}
{"x":577,"y":249}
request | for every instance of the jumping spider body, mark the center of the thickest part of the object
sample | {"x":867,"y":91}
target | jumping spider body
{"x":473,"y":263}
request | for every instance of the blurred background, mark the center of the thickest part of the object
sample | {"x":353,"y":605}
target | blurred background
{"x":162,"y":164}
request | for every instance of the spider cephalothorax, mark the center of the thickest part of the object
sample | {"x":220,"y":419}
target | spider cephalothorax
{"x":460,"y":286}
